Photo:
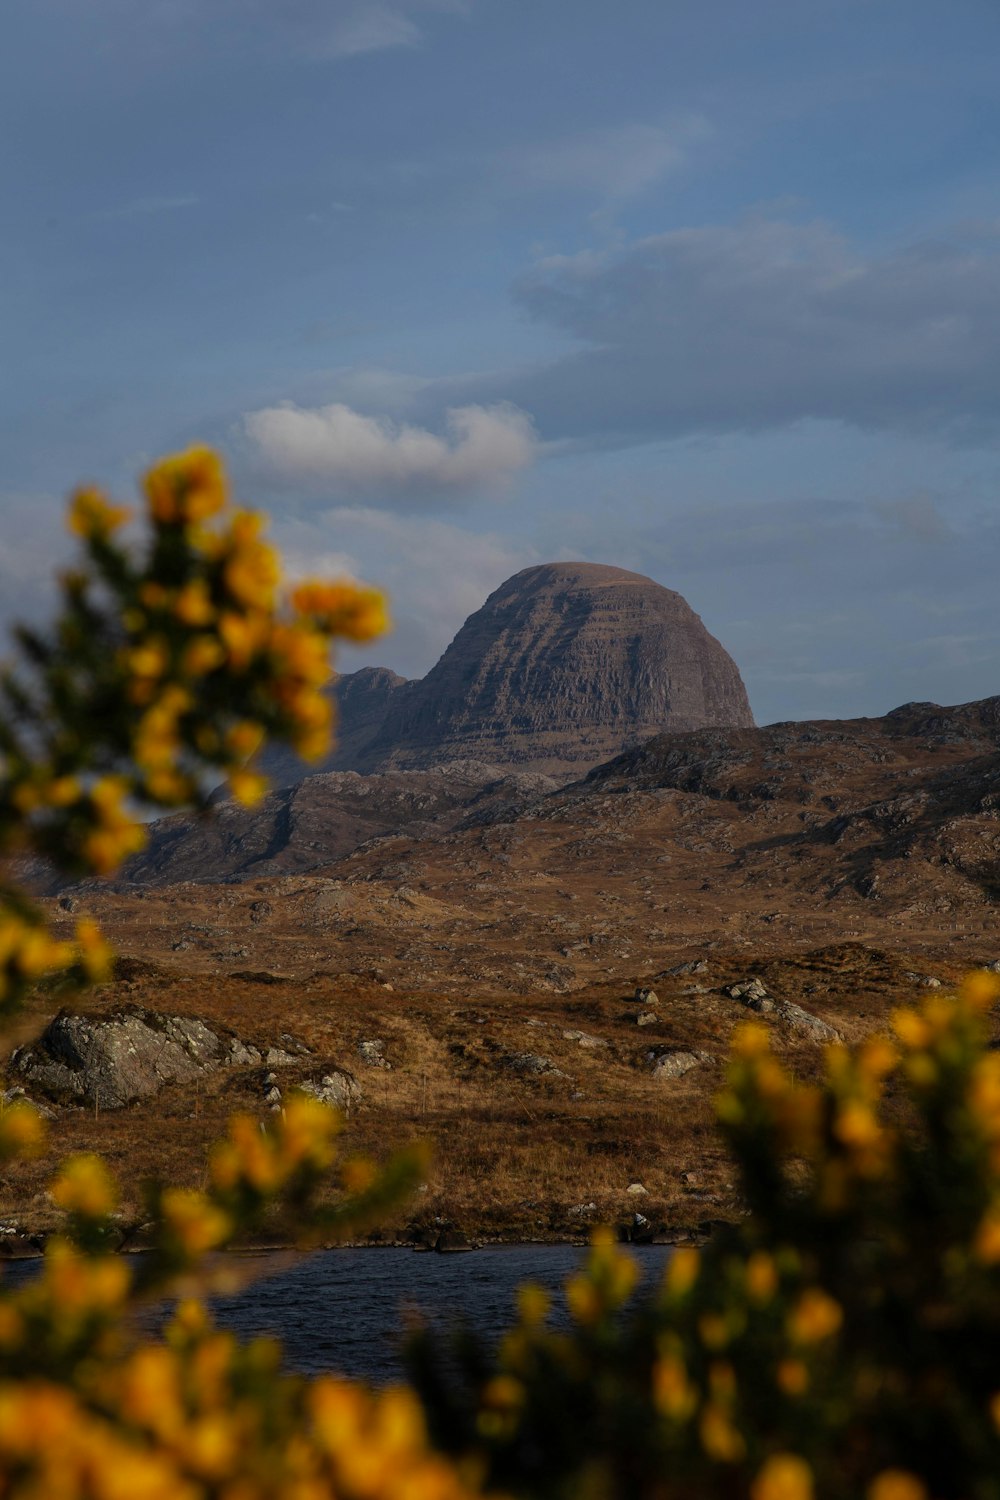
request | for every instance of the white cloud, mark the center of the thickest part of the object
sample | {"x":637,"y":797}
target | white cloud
{"x":340,"y":448}
{"x":617,"y":161}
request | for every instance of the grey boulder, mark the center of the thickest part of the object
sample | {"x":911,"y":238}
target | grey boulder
{"x":116,"y":1059}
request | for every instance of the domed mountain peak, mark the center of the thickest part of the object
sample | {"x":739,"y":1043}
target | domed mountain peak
{"x":566,"y":664}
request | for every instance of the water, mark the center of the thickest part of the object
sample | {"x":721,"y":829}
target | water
{"x":340,"y":1310}
{"x":343,"y":1310}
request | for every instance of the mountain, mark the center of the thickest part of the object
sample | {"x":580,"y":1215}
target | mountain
{"x":565,"y":665}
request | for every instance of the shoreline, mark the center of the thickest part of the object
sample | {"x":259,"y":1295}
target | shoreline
{"x":35,"y":1251}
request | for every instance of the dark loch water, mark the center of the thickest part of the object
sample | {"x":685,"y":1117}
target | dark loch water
{"x":339,"y":1310}
{"x":342,"y":1310}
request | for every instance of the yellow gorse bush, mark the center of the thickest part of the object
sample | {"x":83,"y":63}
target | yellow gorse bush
{"x":173,"y":658}
{"x":842,"y":1342}
{"x":170,"y":662}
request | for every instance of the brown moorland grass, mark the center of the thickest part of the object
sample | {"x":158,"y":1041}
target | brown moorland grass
{"x":517,"y":1155}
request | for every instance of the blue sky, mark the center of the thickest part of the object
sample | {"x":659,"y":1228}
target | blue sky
{"x":706,"y":289}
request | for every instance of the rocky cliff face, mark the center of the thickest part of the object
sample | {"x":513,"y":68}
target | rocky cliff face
{"x":361,"y":700}
{"x":565,"y":665}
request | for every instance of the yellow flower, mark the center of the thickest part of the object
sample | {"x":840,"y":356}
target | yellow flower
{"x":96,"y":956}
{"x":63,"y":791}
{"x":343,"y":609}
{"x":358,"y":1174}
{"x":713,"y":1330}
{"x":986,"y":1245}
{"x":85,"y":1186}
{"x":876,"y":1058}
{"x":896,"y":1484}
{"x":673,"y":1394}
{"x":911,"y":1028}
{"x":856,"y":1125}
{"x":168,"y":787}
{"x":202,"y":655}
{"x":193,"y":606}
{"x":91,"y":515}
{"x":186,"y":487}
{"x":784,"y":1476}
{"x":980,"y":989}
{"x":761,"y":1277}
{"x":503,"y":1393}
{"x":247,"y":787}
{"x":244,"y":637}
{"x":193,"y":1221}
{"x":252,"y":571}
{"x":533,"y":1303}
{"x":682,"y":1272}
{"x":720,"y":1439}
{"x":815,"y":1317}
{"x":22,"y":1131}
{"x":583,"y":1300}
{"x":244,"y":738}
{"x":149,"y":659}
{"x":751,"y":1039}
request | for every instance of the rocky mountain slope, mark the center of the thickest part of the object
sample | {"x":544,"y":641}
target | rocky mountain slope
{"x":325,"y":817}
{"x":883,"y":830}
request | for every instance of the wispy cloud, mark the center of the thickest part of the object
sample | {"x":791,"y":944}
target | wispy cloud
{"x":341,"y":449}
{"x":614,"y":161}
{"x":375,"y":25}
{"x":138,"y":208}
{"x":370,"y":28}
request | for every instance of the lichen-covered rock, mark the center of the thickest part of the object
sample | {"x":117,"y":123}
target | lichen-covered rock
{"x":338,"y":1089}
{"x":583,"y":1038}
{"x":532,"y":1064}
{"x":110,"y":1061}
{"x":668,"y":1065}
{"x":754,"y":995}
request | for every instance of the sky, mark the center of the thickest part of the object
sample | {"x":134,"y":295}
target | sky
{"x":704,"y":289}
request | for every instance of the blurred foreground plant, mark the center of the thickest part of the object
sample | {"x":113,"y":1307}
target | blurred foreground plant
{"x":170,"y":661}
{"x":841,"y":1343}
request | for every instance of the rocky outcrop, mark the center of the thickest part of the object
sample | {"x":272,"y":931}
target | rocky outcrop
{"x":565,"y":665}
{"x":339,"y":1089}
{"x":668,"y":1065}
{"x":111,"y":1061}
{"x":754,"y":995}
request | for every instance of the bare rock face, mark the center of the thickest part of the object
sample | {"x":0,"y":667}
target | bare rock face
{"x":113,"y":1060}
{"x":565,"y":665}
